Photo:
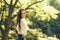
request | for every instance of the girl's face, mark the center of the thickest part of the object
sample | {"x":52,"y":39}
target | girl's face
{"x":23,"y":14}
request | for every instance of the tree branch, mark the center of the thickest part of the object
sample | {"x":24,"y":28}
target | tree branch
{"x":11,"y":2}
{"x":15,"y":3}
{"x":33,"y":4}
{"x":5,"y":2}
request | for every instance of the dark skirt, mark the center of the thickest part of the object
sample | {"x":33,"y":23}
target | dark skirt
{"x":20,"y":37}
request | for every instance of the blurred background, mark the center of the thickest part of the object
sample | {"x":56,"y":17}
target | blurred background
{"x":43,"y":17}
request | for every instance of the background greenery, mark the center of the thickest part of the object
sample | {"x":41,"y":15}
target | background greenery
{"x":43,"y":17}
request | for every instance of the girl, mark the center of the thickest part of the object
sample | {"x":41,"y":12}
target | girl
{"x":21,"y":25}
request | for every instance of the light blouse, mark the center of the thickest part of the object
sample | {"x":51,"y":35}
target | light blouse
{"x":24,"y":27}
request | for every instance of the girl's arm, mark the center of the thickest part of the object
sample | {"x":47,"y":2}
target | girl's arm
{"x":16,"y":28}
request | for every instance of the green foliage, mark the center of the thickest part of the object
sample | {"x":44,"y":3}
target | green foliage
{"x":43,"y":16}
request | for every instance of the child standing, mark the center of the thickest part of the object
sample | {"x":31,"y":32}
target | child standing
{"x":22,"y":26}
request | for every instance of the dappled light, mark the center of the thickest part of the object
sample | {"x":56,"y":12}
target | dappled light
{"x":43,"y":18}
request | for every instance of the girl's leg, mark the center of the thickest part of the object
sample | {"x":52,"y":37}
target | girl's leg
{"x":20,"y":37}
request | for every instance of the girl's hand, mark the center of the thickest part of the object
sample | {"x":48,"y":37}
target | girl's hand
{"x":23,"y":35}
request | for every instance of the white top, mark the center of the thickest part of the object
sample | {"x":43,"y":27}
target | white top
{"x":24,"y":27}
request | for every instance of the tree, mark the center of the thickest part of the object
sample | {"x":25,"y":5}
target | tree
{"x":8,"y":23}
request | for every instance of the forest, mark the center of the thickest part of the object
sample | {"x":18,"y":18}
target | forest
{"x":43,"y":17}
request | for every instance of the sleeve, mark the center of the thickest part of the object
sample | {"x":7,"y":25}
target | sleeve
{"x":28,"y":27}
{"x":17,"y":27}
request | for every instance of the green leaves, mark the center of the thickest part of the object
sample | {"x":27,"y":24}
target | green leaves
{"x":42,"y":14}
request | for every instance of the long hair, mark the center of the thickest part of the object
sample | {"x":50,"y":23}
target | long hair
{"x":19,"y":16}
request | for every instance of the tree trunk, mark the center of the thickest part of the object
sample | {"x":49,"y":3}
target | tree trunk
{"x":5,"y":35}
